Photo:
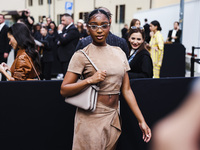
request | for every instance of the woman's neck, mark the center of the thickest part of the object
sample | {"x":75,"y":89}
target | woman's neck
{"x":155,"y":31}
{"x":99,"y":44}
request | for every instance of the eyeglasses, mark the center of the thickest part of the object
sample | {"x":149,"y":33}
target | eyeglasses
{"x":134,"y":27}
{"x":96,"y":27}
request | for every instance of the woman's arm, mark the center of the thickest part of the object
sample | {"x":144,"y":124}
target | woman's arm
{"x":131,"y":101}
{"x":70,"y":86}
{"x":3,"y":71}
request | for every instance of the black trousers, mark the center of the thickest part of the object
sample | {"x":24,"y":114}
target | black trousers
{"x":47,"y":70}
{"x":2,"y":59}
{"x":64,"y":67}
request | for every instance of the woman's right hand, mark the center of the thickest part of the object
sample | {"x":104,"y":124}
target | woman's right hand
{"x":146,"y":131}
{"x":97,"y":77}
{"x":148,"y":47}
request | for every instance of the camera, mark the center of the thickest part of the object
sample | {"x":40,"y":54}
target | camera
{"x":25,"y":12}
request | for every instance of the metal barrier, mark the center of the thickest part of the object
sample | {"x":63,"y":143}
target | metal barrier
{"x":193,"y":60}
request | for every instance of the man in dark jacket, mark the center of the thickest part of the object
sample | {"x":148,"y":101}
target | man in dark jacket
{"x":4,"y":43}
{"x":46,"y":52}
{"x":112,"y":39}
{"x":147,"y":31}
{"x":175,"y":34}
{"x":68,"y":37}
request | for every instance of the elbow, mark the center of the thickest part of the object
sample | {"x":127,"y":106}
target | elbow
{"x":63,"y":92}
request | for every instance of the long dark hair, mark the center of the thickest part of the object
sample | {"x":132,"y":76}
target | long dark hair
{"x":156,"y":23}
{"x":25,"y":41}
{"x":137,"y":30}
{"x":55,"y":29}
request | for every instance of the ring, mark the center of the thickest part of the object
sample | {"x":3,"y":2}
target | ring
{"x":147,"y":135}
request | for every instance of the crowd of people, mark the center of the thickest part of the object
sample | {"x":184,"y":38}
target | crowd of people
{"x":35,"y":54}
{"x":57,"y":43}
{"x":138,"y":54}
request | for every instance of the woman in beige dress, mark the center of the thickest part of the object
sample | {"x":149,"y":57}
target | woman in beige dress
{"x":100,"y":130}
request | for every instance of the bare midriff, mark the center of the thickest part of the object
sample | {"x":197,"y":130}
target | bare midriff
{"x":110,"y":100}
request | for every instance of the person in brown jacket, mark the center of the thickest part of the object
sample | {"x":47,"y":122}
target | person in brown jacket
{"x":26,"y":65}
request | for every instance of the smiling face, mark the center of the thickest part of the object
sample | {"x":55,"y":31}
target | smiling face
{"x":136,"y":40}
{"x":12,"y":41}
{"x":100,"y":34}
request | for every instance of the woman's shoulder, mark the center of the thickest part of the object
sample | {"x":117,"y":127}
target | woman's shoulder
{"x":145,"y":52}
{"x":21,"y":54}
{"x":23,"y":60}
{"x":117,"y":49}
{"x":158,"y":34}
{"x":85,"y":49}
{"x":78,"y":55}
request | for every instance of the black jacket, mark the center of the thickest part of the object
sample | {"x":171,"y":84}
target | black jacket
{"x":147,"y":32}
{"x":178,"y":35}
{"x":4,"y":41}
{"x":124,"y":31}
{"x":141,"y":65}
{"x":112,"y":40}
{"x":68,"y":40}
{"x":47,"y":49}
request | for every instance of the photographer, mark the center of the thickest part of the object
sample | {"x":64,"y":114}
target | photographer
{"x":28,"y":20}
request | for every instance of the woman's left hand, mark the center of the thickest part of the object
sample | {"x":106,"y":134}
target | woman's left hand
{"x":146,"y":131}
{"x":1,"y":68}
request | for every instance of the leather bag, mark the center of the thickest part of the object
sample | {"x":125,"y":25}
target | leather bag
{"x":87,"y":98}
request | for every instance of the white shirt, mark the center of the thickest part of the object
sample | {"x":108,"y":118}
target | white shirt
{"x":1,"y":25}
{"x":173,"y":35}
{"x":132,"y":55}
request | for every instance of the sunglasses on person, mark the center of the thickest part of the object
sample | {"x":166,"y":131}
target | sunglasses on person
{"x":134,"y":27}
{"x":96,"y":27}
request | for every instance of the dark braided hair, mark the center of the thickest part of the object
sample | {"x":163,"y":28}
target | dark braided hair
{"x":156,"y":23}
{"x":97,"y":11}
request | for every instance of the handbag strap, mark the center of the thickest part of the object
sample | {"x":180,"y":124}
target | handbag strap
{"x":33,"y":67}
{"x":90,"y":60}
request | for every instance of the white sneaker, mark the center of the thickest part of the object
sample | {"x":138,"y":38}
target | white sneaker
{"x":60,"y":76}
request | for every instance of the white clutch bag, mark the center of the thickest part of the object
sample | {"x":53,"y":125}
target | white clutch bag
{"x":87,"y":98}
